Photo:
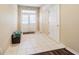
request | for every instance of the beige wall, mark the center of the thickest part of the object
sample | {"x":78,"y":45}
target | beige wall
{"x":8,"y":20}
{"x":70,"y":26}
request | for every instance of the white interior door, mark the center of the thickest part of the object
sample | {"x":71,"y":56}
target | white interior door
{"x":54,"y":22}
{"x":28,"y":21}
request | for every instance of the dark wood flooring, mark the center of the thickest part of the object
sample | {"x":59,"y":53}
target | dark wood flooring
{"x":28,"y":32}
{"x":62,"y":51}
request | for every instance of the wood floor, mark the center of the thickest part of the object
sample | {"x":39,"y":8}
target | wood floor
{"x":28,"y":32}
{"x":62,"y":51}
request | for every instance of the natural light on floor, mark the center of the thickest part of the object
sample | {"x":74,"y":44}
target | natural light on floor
{"x":34,"y":43}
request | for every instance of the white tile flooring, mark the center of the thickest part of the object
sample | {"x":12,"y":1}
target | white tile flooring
{"x":33,"y":43}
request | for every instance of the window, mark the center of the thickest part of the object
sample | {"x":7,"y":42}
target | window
{"x":32,"y":18}
{"x":28,"y":16}
{"x":24,"y":19}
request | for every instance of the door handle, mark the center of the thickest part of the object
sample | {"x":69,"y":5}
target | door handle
{"x":57,"y":25}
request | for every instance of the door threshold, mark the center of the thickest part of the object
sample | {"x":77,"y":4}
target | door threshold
{"x":28,"y":32}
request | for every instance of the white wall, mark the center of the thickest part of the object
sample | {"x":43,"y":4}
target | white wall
{"x":8,"y":20}
{"x":70,"y":26}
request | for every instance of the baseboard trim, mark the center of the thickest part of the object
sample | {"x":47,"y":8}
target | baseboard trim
{"x":73,"y":51}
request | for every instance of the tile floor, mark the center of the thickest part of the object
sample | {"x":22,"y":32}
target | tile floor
{"x":33,"y":43}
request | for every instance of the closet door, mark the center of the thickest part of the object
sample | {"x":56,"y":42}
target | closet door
{"x":54,"y":22}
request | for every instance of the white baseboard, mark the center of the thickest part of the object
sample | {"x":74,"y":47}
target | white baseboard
{"x":70,"y":49}
{"x":73,"y":51}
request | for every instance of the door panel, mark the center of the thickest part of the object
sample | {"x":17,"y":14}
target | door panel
{"x":54,"y":22}
{"x":32,"y":23}
{"x":28,"y":21}
{"x":24,"y":23}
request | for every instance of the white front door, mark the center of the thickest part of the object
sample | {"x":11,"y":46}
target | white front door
{"x":28,"y":21}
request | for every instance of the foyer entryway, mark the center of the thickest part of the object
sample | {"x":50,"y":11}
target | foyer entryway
{"x":32,"y":44}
